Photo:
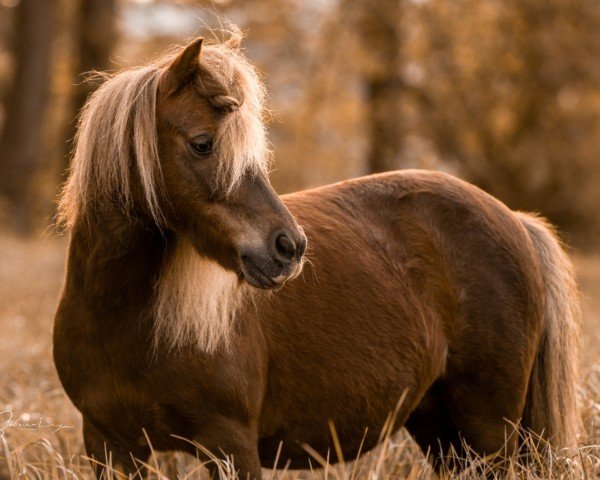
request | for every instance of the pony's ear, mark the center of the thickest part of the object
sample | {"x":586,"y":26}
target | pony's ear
{"x":183,"y":68}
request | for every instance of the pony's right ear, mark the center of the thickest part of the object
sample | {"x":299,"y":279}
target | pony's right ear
{"x":183,"y":68}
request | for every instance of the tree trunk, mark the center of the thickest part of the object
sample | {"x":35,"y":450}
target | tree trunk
{"x":94,"y":37}
{"x":385,"y":135}
{"x":21,"y":139}
{"x":379,"y":27}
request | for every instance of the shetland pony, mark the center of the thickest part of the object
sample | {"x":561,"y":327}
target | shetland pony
{"x":180,"y":317}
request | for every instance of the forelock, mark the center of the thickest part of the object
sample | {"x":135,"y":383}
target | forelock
{"x":232,"y":85}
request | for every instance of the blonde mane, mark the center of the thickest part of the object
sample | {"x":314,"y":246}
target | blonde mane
{"x":196,"y":301}
{"x":117,"y":132}
{"x":116,"y":141}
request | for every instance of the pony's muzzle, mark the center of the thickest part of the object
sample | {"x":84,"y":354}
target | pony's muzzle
{"x":270,"y":266}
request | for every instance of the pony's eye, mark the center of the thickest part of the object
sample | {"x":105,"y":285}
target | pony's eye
{"x":202,"y":145}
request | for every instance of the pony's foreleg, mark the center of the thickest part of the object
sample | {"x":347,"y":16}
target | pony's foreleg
{"x":230,"y":444}
{"x":110,"y":460}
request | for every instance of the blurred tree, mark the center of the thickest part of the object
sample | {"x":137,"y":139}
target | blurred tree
{"x":378,"y":26}
{"x":21,"y":137}
{"x":505,"y":94}
{"x":503,"y":99}
{"x":94,"y":36}
{"x":6,"y":33}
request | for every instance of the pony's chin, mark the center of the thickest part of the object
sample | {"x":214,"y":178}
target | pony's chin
{"x":256,"y":278}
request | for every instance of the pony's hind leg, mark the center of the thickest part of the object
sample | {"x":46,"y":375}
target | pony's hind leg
{"x":433,"y":429}
{"x":110,"y":461}
{"x":486,"y":407}
{"x":458,"y":414}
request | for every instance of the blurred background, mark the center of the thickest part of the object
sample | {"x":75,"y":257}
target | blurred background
{"x":505,"y":94}
{"x":502,"y":93}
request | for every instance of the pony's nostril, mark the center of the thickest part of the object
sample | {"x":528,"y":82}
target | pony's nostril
{"x":285,"y":246}
{"x":301,"y":247}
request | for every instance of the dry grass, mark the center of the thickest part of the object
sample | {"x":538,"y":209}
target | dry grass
{"x":46,"y":441}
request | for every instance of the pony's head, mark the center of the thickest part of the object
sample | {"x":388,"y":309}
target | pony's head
{"x":182,"y":144}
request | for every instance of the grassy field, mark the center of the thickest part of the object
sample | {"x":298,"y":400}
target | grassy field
{"x":40,"y":429}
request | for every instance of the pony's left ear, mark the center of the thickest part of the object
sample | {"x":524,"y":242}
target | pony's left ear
{"x":183,"y":68}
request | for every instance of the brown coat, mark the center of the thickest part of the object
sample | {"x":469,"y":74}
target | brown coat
{"x":417,"y":283}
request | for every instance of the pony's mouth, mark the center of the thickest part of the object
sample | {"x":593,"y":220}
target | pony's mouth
{"x":257,"y":278}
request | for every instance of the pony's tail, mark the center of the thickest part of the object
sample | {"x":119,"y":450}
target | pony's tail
{"x":551,"y":409}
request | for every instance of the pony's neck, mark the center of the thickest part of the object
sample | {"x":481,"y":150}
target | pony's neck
{"x":114,"y":263}
{"x":129,"y":273}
